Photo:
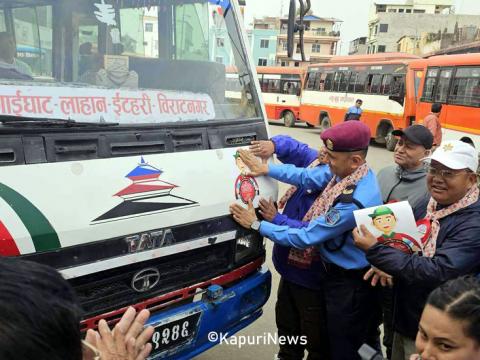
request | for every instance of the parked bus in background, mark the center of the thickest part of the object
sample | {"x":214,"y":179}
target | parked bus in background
{"x":454,"y":82}
{"x":119,"y":161}
{"x":281,"y":88}
{"x":381,"y":81}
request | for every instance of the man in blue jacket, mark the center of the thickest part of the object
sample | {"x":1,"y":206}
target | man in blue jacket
{"x":451,"y":245}
{"x":298,"y":311}
{"x":347,"y":184}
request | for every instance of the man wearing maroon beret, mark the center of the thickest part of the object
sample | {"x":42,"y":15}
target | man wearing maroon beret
{"x":346,"y":185}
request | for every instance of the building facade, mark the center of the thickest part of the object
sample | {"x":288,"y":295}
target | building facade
{"x":263,"y":40}
{"x":390,"y":21}
{"x":358,"y":46}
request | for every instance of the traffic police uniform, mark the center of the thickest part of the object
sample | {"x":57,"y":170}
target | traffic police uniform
{"x":351,"y":305}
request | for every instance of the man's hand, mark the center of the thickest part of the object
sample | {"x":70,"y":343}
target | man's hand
{"x":263,"y":148}
{"x":267,"y":209}
{"x":363,"y":238}
{"x":257,"y":167}
{"x":377,"y":275}
{"x":128,"y":340}
{"x":245,"y":217}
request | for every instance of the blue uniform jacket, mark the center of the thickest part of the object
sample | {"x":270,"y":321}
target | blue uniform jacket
{"x":290,"y":151}
{"x":458,"y":253}
{"x":328,"y":231}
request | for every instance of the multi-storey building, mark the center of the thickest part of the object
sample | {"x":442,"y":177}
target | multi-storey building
{"x":263,"y":39}
{"x":389,"y":21}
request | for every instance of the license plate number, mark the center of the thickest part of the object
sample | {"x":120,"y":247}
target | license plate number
{"x":174,"y":334}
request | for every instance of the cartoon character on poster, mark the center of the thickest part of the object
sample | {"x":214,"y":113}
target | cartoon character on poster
{"x":246,"y":187}
{"x":393,"y":225}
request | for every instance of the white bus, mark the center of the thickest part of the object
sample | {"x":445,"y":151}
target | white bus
{"x":118,"y":161}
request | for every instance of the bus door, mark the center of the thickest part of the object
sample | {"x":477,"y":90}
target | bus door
{"x":435,"y":90}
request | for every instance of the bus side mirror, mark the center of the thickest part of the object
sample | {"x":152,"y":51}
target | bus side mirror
{"x":292,"y":13}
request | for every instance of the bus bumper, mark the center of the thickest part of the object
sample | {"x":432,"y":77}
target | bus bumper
{"x":227,"y":311}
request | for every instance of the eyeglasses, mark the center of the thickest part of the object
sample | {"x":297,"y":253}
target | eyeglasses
{"x":446,"y":174}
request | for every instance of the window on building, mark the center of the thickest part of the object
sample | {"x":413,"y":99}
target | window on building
{"x":284,"y":63}
{"x":264,"y":44}
{"x":320,"y":31}
{"x":219,"y":59}
{"x":401,"y":10}
{"x":381,"y":8}
{"x":297,"y":64}
{"x":299,"y":49}
{"x":220,"y":42}
{"x":284,"y":46}
{"x":316,"y":48}
{"x":430,"y":84}
{"x":466,"y":87}
{"x":408,"y":11}
{"x":262,"y":62}
{"x":373,"y":49}
{"x":148,"y":27}
{"x":392,"y":10}
{"x":383,"y":28}
{"x":418,"y":11}
{"x":443,"y":85}
{"x":381,"y":48}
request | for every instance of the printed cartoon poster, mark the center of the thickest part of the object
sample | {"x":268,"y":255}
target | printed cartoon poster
{"x":393,"y":225}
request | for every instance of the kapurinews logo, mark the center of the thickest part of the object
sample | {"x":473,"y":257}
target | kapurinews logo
{"x":146,"y":194}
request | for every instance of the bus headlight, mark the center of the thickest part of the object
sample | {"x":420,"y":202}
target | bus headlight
{"x":247,"y":246}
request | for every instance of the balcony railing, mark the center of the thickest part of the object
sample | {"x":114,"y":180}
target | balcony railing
{"x":314,"y":33}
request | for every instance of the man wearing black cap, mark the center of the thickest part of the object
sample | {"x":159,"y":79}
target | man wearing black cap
{"x":347,"y":184}
{"x":405,"y":181}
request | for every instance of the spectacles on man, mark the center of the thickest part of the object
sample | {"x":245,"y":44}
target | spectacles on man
{"x":445,"y":173}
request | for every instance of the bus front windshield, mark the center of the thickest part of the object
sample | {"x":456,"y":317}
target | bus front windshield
{"x":125,"y":61}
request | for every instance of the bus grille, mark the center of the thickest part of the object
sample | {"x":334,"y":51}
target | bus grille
{"x":111,"y":290}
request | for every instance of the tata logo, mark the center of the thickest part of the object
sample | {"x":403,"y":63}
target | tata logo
{"x":145,"y":280}
{"x":150,"y":240}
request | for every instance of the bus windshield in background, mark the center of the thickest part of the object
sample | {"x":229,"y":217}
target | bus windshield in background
{"x":125,"y":61}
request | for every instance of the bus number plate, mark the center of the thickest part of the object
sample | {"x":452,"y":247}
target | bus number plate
{"x":174,"y":334}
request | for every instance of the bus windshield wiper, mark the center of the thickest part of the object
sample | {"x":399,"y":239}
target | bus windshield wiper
{"x":25,"y":121}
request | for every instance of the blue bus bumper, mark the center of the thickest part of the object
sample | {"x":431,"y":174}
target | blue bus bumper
{"x":238,"y":306}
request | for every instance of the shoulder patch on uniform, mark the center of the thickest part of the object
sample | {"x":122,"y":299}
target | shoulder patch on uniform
{"x":332,"y":217}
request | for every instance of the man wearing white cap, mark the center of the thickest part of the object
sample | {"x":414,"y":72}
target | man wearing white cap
{"x":451,"y":244}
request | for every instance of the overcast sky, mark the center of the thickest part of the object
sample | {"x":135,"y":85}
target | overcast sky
{"x":353,"y":13}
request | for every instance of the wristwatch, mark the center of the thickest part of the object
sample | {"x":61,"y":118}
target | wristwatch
{"x":255,"y":225}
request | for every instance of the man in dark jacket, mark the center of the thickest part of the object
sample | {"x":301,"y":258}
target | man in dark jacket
{"x":404,"y":181}
{"x":407,"y":179}
{"x":299,"y":301}
{"x":451,"y":247}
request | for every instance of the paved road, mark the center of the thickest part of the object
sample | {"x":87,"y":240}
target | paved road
{"x":377,"y":158}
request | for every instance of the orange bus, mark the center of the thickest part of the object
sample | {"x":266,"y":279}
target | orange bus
{"x":281,"y":88}
{"x":382,"y":81}
{"x":453,"y":81}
